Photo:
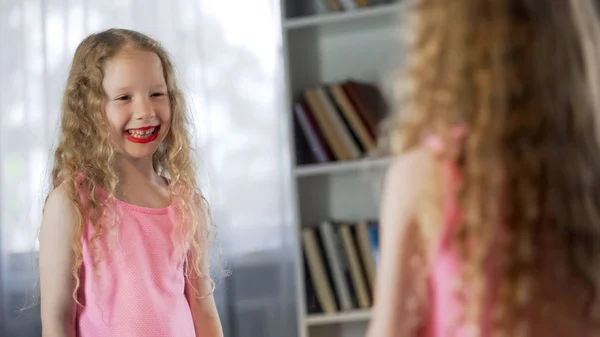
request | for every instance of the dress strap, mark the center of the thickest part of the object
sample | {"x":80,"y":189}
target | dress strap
{"x":451,"y":177}
{"x":436,"y":143}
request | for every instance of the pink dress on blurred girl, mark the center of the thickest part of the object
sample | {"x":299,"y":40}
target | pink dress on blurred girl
{"x":555,"y":306}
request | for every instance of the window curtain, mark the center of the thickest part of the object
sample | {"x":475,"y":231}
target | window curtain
{"x":229,"y":62}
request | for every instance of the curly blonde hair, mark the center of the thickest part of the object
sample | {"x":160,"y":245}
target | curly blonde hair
{"x":518,"y":74}
{"x":84,"y":158}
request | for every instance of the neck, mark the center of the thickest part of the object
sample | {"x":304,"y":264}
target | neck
{"x":136,"y":170}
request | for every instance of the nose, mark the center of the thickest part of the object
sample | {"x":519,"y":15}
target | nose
{"x":144,"y":109}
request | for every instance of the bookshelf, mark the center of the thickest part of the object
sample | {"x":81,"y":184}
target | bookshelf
{"x":324,"y":49}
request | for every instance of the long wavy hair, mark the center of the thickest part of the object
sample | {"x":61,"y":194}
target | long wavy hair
{"x":84,"y":160}
{"x":523,"y":76}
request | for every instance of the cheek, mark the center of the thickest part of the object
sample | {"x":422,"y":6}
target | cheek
{"x":117,"y":117}
{"x":165,"y":113}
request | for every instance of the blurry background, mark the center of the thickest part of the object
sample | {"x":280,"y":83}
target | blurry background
{"x":268,"y":169}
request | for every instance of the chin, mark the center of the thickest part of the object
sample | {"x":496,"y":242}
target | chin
{"x":139,"y":151}
{"x":139,"y":154}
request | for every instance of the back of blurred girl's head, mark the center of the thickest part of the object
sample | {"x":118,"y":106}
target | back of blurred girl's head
{"x":523,"y":76}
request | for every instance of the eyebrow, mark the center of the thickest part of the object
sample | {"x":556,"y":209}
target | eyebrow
{"x":121,"y":89}
{"x":154,"y":87}
{"x":159,"y":87}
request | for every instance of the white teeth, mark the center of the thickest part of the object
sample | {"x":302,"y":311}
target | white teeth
{"x":141,"y":133}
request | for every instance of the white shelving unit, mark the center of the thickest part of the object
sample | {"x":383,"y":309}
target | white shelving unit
{"x":332,"y":18}
{"x":352,"y":316}
{"x":339,"y":167}
{"x":322,"y":48}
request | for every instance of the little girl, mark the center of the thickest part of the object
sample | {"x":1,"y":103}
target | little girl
{"x":490,"y":218}
{"x":125,"y":232}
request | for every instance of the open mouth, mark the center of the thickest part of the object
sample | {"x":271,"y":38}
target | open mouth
{"x":142,"y":135}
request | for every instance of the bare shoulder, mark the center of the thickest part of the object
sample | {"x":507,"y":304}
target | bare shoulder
{"x":411,"y":170}
{"x":413,"y":193}
{"x":59,"y":210}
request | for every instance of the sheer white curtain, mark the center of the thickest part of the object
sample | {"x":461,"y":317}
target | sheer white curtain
{"x":228,"y":56}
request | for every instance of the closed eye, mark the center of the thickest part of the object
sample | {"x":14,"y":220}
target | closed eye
{"x":123,"y":98}
{"x":157,"y":94}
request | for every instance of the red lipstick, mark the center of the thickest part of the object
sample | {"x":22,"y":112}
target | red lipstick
{"x":142,"y":139}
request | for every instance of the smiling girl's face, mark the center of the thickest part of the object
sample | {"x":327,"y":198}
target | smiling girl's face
{"x":137,"y":102}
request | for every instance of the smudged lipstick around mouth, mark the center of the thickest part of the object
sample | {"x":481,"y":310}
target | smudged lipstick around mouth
{"x":142,"y":135}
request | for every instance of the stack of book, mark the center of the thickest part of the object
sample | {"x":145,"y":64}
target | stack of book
{"x":337,"y":122}
{"x":340,"y":261}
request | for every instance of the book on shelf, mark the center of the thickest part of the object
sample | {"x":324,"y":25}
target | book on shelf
{"x":337,"y":121}
{"x":340,"y":259}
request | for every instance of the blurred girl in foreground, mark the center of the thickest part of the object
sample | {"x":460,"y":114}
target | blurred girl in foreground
{"x":490,"y":217}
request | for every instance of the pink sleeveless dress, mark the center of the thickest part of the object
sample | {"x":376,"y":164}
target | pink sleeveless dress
{"x":136,"y":287}
{"x":555,"y":308}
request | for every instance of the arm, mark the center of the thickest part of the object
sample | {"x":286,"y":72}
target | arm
{"x":400,"y":243}
{"x":55,"y":261}
{"x":204,"y":310}
{"x":198,"y":289}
